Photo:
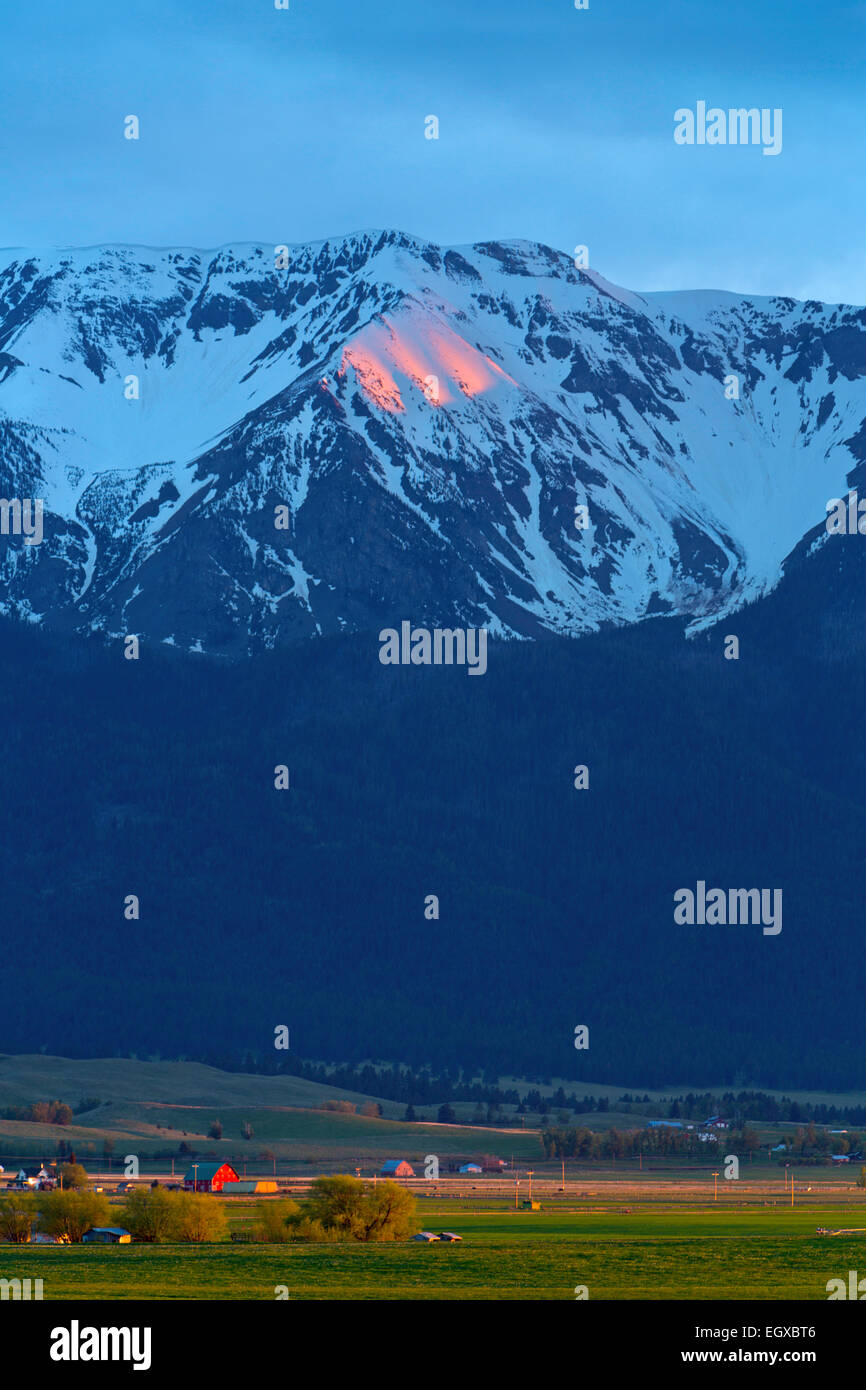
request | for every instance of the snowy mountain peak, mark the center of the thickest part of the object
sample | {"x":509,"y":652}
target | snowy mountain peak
{"x":426,"y":422}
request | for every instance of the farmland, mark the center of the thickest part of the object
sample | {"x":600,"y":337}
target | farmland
{"x":648,"y":1227}
{"x":667,"y":1254}
{"x":150,"y":1107}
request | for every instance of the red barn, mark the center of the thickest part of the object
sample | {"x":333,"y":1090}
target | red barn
{"x":396,"y":1168}
{"x":208,"y":1177}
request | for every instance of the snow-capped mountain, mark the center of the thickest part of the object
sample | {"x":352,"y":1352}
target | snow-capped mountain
{"x":244,"y":447}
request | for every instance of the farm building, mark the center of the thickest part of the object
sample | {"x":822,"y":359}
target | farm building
{"x":470,"y":1168}
{"x":209,"y":1177}
{"x":397,"y":1168}
{"x":258,"y":1185}
{"x":107,"y":1235}
{"x":33,"y":1177}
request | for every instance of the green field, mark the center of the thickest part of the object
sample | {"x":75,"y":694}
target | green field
{"x":772,"y":1255}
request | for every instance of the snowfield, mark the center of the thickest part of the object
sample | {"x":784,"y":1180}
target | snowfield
{"x":431,"y":417}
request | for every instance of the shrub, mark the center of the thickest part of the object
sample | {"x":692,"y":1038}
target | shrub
{"x":71,"y":1214}
{"x":273,"y":1222}
{"x":148,"y":1215}
{"x":196,"y":1218}
{"x":313,"y":1232}
{"x":17,"y":1215}
{"x":355,"y":1210}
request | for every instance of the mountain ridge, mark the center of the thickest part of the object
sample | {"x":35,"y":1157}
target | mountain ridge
{"x":429,"y":417}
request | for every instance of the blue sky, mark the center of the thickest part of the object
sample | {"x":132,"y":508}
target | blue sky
{"x":260,"y":124}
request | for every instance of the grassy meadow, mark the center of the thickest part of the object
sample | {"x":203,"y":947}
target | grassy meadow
{"x":765,"y":1255}
{"x":149,"y":1108}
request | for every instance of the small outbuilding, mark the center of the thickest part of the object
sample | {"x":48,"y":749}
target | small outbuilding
{"x":247,"y":1185}
{"x":397,"y":1168}
{"x":107,"y":1235}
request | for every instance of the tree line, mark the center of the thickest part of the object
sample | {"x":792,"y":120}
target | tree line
{"x":809,"y":1144}
{"x":185,"y":1217}
{"x":340,"y":1208}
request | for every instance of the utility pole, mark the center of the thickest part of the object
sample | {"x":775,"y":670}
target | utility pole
{"x":715,"y":1187}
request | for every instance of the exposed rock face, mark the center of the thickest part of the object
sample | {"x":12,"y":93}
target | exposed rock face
{"x":427,"y":419}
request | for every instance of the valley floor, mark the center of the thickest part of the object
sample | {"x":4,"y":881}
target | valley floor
{"x":672,"y":1253}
